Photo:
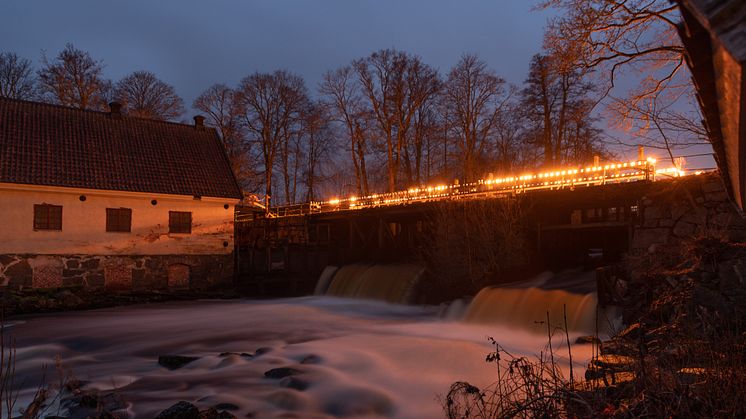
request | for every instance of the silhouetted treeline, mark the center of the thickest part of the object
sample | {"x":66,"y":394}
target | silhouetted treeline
{"x":383,"y":122}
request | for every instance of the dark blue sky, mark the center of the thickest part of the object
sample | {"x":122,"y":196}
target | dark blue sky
{"x":193,"y":44}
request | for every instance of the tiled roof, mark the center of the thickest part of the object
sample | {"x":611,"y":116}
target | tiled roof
{"x":42,"y":144}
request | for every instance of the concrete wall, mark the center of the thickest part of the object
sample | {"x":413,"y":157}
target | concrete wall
{"x":84,"y":253}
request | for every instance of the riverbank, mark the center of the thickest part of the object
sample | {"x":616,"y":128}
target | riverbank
{"x":684,"y":351}
{"x":30,"y":301}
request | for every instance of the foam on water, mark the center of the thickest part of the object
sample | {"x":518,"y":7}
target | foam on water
{"x":357,"y":357}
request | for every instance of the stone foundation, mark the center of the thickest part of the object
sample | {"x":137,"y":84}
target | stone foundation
{"x":117,"y":273}
{"x":685,"y":209}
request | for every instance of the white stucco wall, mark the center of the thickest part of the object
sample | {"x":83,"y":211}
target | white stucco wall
{"x":84,"y":223}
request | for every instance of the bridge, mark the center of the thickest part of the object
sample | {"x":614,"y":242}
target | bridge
{"x":566,"y":212}
{"x":567,"y":178}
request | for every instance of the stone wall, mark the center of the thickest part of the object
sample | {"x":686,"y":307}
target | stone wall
{"x":684,"y":209}
{"x":117,"y":273}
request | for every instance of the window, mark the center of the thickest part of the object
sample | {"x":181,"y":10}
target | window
{"x":118,"y":220}
{"x":179,"y":222}
{"x":47,"y":217}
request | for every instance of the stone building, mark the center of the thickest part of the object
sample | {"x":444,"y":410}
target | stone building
{"x":101,"y":199}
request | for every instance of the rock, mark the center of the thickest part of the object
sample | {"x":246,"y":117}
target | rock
{"x":226,"y":406}
{"x":19,"y":274}
{"x":615,"y":363}
{"x":294,"y":383}
{"x":68,"y":300}
{"x":281,"y":372}
{"x":587,"y":339}
{"x":181,"y":410}
{"x":684,"y":229}
{"x":242,"y":354}
{"x":712,"y":187}
{"x":173,"y":362}
{"x":633,"y":331}
{"x":213,"y":413}
{"x":262,"y":351}
{"x":311,"y":359}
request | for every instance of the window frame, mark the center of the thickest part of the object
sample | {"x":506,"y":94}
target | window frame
{"x":179,"y":226}
{"x":47,"y":225}
{"x":114,"y":220}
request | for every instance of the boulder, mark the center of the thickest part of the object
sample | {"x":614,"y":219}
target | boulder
{"x":281,"y":372}
{"x":173,"y":362}
{"x":213,"y":413}
{"x":180,"y":410}
{"x":294,"y":383}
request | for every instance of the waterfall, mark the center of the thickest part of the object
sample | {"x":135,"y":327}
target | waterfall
{"x":394,"y":283}
{"x":527,"y":308}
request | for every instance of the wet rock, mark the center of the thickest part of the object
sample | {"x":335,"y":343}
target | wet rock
{"x":311,"y":359}
{"x":173,"y":362}
{"x":587,"y":339}
{"x":294,"y":383}
{"x":180,"y":410}
{"x":213,"y":413}
{"x":281,"y":372}
{"x":242,"y":354}
{"x":262,"y":351}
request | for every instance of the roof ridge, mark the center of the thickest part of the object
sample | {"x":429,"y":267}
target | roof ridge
{"x":94,"y":111}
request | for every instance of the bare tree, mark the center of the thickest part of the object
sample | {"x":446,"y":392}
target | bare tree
{"x":343,"y":98}
{"x":539,"y":97}
{"x":271,"y":105}
{"x":509,"y":130}
{"x":220,"y":104}
{"x":144,"y":95}
{"x":396,"y":85}
{"x":74,"y":79}
{"x":16,"y":79}
{"x":625,"y":39}
{"x":474,"y":95}
{"x":555,"y":93}
{"x":315,"y":130}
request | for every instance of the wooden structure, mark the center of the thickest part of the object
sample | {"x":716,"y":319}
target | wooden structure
{"x":713,"y":33}
{"x":285,"y":255}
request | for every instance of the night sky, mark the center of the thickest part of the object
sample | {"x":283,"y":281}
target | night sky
{"x":193,"y":44}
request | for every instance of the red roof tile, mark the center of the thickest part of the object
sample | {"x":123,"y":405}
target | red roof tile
{"x":43,"y":144}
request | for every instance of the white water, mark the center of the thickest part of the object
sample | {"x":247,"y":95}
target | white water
{"x":374,"y":359}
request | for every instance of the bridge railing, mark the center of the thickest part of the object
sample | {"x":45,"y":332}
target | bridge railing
{"x":591,"y":175}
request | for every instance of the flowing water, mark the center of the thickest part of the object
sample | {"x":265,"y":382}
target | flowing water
{"x":356,"y":357}
{"x":392,"y":283}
